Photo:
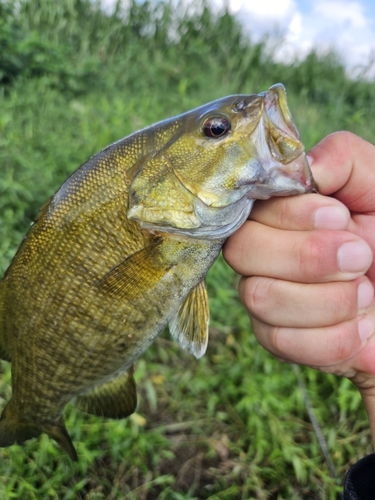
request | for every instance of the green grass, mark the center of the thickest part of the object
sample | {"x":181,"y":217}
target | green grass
{"x":233,"y":424}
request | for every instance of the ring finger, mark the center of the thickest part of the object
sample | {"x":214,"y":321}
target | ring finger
{"x":299,"y":305}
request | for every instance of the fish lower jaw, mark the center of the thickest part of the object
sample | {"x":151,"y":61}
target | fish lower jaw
{"x":262,"y":192}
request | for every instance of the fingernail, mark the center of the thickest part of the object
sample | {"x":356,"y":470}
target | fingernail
{"x":354,"y":257}
{"x":366,"y":328}
{"x":331,"y":218}
{"x":365,"y":295}
{"x":310,"y":160}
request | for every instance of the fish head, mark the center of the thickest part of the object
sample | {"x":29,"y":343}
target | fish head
{"x":203,"y":180}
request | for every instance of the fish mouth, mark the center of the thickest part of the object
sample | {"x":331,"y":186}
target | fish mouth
{"x":286,"y":180}
{"x":276,"y":106}
{"x":299,"y":171}
{"x":283,"y":156}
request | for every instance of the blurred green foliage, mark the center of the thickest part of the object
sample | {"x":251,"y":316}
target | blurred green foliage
{"x":75,"y":77}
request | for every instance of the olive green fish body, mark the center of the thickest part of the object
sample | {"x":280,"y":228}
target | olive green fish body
{"x":55,"y":285}
{"x":122,"y":249}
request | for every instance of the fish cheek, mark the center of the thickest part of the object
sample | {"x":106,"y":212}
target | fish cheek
{"x":221,"y":174}
{"x":156,"y":196}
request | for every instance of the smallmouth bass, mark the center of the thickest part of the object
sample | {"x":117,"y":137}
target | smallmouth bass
{"x":122,"y":250}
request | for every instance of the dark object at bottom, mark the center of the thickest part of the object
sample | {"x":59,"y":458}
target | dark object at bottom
{"x":360,"y":480}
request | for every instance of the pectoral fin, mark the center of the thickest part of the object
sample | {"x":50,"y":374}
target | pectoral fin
{"x":114,"y":399}
{"x":190,"y":325}
{"x":138,"y":273}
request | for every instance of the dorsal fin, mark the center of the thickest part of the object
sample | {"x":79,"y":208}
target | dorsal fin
{"x":43,"y":210}
{"x":190,"y":325}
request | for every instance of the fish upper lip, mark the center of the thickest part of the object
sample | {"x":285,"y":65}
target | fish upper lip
{"x":276,"y":97}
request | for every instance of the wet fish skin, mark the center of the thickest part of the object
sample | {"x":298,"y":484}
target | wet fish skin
{"x":122,"y":249}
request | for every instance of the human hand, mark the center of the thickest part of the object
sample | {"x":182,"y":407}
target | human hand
{"x":308,"y":267}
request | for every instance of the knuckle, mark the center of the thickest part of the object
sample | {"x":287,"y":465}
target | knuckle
{"x":345,"y":301}
{"x":236,"y":249}
{"x":312,"y":256}
{"x":233,"y":253}
{"x":270,"y":337}
{"x":229,"y":252}
{"x":258,"y":291}
{"x":279,"y":343}
{"x":342,"y":135}
{"x":342,"y":139}
{"x":342,"y":345}
{"x":284,"y":212}
{"x":343,"y":143}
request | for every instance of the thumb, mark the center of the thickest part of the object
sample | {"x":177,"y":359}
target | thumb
{"x":344,"y":164}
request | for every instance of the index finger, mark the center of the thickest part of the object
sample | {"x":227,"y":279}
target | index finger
{"x":302,"y":213}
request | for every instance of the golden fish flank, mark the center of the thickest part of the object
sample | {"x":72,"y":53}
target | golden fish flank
{"x":122,"y":249}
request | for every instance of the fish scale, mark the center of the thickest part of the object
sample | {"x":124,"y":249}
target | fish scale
{"x":121,"y":250}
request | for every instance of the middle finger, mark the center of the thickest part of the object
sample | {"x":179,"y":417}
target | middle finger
{"x":304,"y":256}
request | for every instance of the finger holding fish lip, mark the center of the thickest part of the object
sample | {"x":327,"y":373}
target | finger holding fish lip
{"x":312,"y":211}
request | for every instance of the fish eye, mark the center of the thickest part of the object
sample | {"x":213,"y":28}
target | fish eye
{"x":216,"y":127}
